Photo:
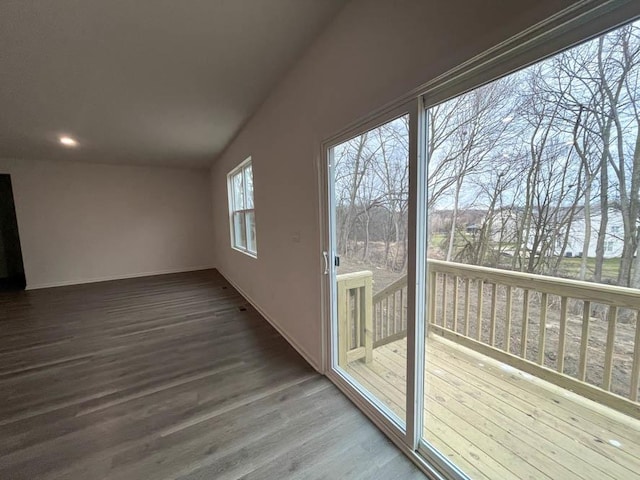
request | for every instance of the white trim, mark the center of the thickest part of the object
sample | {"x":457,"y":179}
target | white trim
{"x":240,"y":166}
{"x":376,"y":409}
{"x":326,"y":282}
{"x":321,"y":170}
{"x":416,"y":288}
{"x":109,"y":278}
{"x":246,"y":252}
{"x":240,"y":170}
{"x":574,"y":25}
{"x":301,"y":350}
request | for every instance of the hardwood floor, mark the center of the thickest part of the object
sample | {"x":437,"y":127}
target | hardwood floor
{"x":173,"y":376}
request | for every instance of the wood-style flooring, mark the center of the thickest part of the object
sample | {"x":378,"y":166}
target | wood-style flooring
{"x":165,"y":377}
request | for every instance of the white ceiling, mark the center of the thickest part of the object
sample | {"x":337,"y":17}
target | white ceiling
{"x":164,"y":82}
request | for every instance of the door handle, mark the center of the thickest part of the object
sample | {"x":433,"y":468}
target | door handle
{"x":325,"y":255}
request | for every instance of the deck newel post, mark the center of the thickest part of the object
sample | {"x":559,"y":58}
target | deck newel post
{"x":343,"y":311}
{"x":368,"y":318}
{"x":635,"y":368}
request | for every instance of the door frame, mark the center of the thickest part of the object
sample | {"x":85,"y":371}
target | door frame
{"x":572,"y":25}
{"x":16,"y":279}
{"x":407,"y":438}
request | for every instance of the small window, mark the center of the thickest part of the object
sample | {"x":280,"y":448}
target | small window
{"x":242,"y":217}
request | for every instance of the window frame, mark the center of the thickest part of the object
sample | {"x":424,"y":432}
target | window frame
{"x":243,"y":242}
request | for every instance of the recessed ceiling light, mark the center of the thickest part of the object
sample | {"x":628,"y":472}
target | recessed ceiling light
{"x":68,"y":141}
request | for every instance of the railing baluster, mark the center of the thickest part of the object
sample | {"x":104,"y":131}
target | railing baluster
{"x":398,"y":310}
{"x":386,"y":320}
{"x":479,"y":313}
{"x":609,"y":349}
{"x":397,"y":313}
{"x":402,"y":325}
{"x":351,"y":319}
{"x":358,"y":318}
{"x":381,"y":307}
{"x":433,"y":291}
{"x":467,"y":306}
{"x":379,"y":332}
{"x":635,"y":369}
{"x":367,"y":328}
{"x":542,"y":333}
{"x":404,"y":310}
{"x":445,"y":277}
{"x":507,"y":328}
{"x":382,"y":315}
{"x":494,"y":311}
{"x":375,"y":322}
{"x":343,"y":323}
{"x":455,"y":304}
{"x":393,"y":312}
{"x":584,"y":341}
{"x":562,"y":340}
{"x":525,"y":324}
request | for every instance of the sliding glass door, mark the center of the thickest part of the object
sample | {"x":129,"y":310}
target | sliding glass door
{"x":532,"y":318}
{"x":482,"y":259}
{"x":369,"y":210}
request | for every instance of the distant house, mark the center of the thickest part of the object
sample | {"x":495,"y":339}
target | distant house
{"x":614,"y":234}
{"x":473,"y":229}
{"x":505,"y":224}
{"x":613,"y":241}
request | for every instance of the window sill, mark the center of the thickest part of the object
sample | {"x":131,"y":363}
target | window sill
{"x":246,"y":252}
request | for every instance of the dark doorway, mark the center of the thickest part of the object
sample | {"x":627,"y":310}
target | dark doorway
{"x":11,"y":266}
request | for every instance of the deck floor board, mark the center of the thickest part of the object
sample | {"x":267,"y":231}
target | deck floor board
{"x":496,"y":422}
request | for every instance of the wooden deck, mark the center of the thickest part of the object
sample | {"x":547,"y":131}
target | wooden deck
{"x":495,"y":422}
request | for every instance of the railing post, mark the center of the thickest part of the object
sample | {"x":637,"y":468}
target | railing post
{"x":343,"y":321}
{"x":355,"y":325}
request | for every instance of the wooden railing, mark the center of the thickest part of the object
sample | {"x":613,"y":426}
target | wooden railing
{"x":355,"y":321}
{"x":390,"y":313}
{"x":560,"y":330}
{"x":513,"y":317}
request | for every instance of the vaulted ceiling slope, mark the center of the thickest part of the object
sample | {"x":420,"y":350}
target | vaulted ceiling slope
{"x":162,"y":82}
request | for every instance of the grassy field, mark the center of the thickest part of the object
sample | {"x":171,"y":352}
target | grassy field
{"x":570,"y":267}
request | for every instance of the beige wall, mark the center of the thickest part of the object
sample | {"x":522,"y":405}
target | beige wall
{"x":374,"y":52}
{"x":89,"y":222}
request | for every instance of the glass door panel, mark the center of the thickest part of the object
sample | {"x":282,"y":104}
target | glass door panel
{"x":532,"y":348}
{"x":369,"y":209}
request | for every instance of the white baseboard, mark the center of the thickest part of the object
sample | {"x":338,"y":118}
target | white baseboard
{"x":308,"y":357}
{"x":115,"y":277}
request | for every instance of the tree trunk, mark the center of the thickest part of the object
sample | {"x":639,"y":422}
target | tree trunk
{"x":454,"y":221}
{"x":587,"y":232}
{"x":604,"y":219}
{"x":365,"y":253}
